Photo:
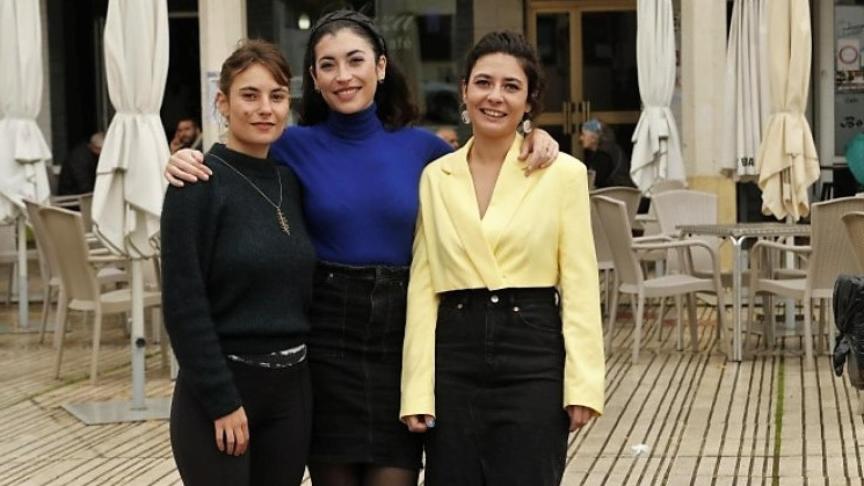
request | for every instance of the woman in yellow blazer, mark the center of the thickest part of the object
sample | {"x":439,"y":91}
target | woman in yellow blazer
{"x":503,"y":347}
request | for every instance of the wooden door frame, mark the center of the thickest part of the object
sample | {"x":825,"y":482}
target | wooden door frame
{"x":573,"y":8}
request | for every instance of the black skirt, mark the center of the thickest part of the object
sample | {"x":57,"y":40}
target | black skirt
{"x":355,"y":356}
{"x":499,"y":371}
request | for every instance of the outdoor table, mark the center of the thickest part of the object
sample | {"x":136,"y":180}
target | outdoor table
{"x":737,"y":233}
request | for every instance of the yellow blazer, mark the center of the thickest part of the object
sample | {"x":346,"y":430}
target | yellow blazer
{"x":536,"y":233}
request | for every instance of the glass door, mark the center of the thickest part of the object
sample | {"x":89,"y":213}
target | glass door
{"x":588,"y":52}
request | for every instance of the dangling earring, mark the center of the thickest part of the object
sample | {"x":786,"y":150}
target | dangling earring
{"x":527,"y":126}
{"x":464,"y":115}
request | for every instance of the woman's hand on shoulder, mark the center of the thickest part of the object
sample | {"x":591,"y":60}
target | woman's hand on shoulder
{"x":186,"y":165}
{"x":579,"y":416}
{"x":539,"y":150}
{"x":232,"y":433}
{"x":419,"y":423}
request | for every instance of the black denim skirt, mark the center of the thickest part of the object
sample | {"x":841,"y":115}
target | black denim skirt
{"x":355,"y":356}
{"x":499,"y":372}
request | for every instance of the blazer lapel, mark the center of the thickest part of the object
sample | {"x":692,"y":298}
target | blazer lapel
{"x":461,"y":203}
{"x":510,"y":189}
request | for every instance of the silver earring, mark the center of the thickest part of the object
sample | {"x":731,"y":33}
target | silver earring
{"x":464,"y":116}
{"x":527,"y":126}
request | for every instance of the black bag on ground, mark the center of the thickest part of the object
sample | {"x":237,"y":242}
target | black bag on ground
{"x":849,"y":319}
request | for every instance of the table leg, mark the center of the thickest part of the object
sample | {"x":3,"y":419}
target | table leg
{"x":737,"y":350}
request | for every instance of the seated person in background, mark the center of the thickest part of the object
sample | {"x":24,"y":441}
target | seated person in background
{"x":78,"y":173}
{"x":604,"y":156}
{"x":448,"y":134}
{"x":187,"y":135}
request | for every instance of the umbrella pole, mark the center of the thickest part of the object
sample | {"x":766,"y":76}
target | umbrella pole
{"x":790,"y":263}
{"x":23,"y":298}
{"x":139,"y":342}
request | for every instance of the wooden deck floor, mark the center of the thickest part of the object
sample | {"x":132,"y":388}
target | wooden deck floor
{"x":702,"y":420}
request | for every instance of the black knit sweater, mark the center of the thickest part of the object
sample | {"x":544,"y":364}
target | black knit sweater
{"x":233,"y":281}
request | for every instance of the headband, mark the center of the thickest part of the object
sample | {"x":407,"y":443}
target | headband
{"x":356,"y":18}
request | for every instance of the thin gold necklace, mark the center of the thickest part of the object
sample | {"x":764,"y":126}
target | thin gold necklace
{"x":280,"y":216}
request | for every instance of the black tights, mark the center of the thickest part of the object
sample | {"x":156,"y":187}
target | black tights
{"x":361,"y":475}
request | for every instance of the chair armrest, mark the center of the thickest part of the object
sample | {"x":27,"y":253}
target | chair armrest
{"x":649,"y":238}
{"x":780,"y":246}
{"x":760,"y":249}
{"x":680,"y":245}
{"x":107,"y":258}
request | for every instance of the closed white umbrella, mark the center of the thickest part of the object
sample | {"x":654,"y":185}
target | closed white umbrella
{"x":787,"y":160}
{"x":746,"y":91}
{"x":656,"y":145}
{"x":23,"y":151}
{"x":127,"y":199}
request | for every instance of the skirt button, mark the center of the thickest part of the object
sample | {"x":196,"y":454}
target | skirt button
{"x":494,"y":299}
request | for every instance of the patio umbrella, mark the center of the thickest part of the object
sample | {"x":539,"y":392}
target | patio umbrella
{"x":787,"y":162}
{"x":127,"y":199}
{"x":656,"y":146}
{"x":23,"y":151}
{"x":746,"y":97}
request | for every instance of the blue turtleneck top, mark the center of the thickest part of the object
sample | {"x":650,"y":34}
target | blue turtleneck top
{"x":360,"y":185}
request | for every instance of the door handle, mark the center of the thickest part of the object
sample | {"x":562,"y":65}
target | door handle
{"x":566,"y":108}
{"x":576,"y":122}
{"x":587,"y":114}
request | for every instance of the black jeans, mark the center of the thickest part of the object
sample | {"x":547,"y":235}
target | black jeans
{"x":499,"y":369}
{"x":355,"y":355}
{"x":278,"y":405}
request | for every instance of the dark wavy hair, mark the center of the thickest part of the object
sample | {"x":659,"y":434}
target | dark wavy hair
{"x":513,"y":44}
{"x":392,"y":96}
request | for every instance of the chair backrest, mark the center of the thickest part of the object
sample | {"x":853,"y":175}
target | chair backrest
{"x":854,"y":222}
{"x":7,"y":240}
{"x":592,"y":178}
{"x":78,"y":276}
{"x":85,"y":204}
{"x":630,"y":196}
{"x":681,"y":206}
{"x":660,"y":187}
{"x":47,"y":257}
{"x":601,"y":243}
{"x":613,"y":217}
{"x":832,"y":253}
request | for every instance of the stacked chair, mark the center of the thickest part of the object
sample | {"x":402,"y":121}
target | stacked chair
{"x":830,"y":253}
{"x":630,"y":277}
{"x":79,"y":272}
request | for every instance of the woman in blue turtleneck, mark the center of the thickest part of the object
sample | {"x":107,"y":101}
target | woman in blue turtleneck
{"x":359,"y":165}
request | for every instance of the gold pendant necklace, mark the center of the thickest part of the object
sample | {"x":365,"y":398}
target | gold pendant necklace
{"x":281,"y":220}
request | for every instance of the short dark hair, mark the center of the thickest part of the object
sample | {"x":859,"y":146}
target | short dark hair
{"x":513,"y":44}
{"x":254,"y":51}
{"x":392,"y":96}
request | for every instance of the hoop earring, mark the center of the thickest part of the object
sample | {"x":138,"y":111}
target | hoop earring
{"x":527,"y":126}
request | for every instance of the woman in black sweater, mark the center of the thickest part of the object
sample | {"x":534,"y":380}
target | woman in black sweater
{"x":237,"y":269}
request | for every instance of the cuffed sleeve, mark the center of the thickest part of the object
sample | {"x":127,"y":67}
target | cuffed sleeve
{"x":418,"y":356}
{"x":188,"y":229}
{"x":585,"y":365}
